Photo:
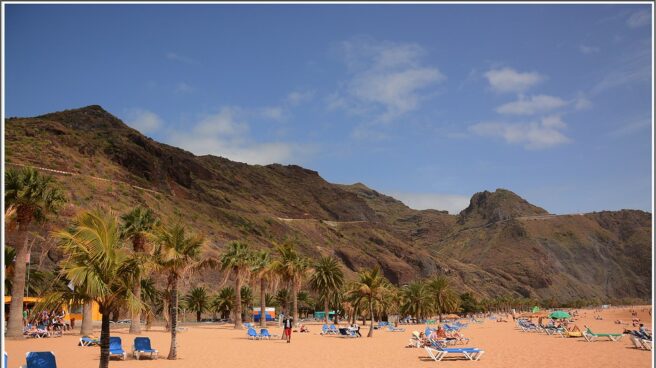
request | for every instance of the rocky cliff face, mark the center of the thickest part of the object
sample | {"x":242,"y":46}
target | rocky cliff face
{"x":499,"y":245}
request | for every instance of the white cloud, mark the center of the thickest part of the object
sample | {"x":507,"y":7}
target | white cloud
{"x":639,"y":19}
{"x":532,"y":105}
{"x":632,"y":67}
{"x":273,"y":113}
{"x":545,"y":133}
{"x":582,"y":102}
{"x":387,"y":79}
{"x":585,"y":49}
{"x":181,"y":58}
{"x":227,"y":134}
{"x":510,"y":80}
{"x":631,"y":127}
{"x":143,"y":120}
{"x":297,"y":97}
{"x":423,"y":201}
{"x":183,"y":87}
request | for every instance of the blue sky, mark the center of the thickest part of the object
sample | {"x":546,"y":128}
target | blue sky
{"x":428,"y":103}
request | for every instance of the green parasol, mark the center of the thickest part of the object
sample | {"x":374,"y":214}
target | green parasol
{"x":559,"y":315}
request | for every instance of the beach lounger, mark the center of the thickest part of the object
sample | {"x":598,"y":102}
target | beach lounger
{"x":40,"y":359}
{"x":88,"y":341}
{"x":345,"y":332}
{"x":115,"y":348}
{"x":325,"y":330}
{"x":438,"y":352}
{"x":395,"y":329}
{"x":635,"y":340}
{"x":646,"y":344}
{"x":141,"y":347}
{"x":264,"y":334}
{"x":334,"y":329}
{"x":591,"y":336}
{"x":252,"y":334}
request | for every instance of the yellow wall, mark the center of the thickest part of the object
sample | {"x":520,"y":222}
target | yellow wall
{"x":95,"y":309}
{"x":95,"y":313}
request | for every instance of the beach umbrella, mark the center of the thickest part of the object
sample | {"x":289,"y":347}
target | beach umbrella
{"x":559,"y":315}
{"x":535,"y":309}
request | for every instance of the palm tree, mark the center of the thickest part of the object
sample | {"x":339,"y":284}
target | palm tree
{"x":224,"y":301}
{"x":32,"y":196}
{"x":99,"y":267}
{"x":282,"y":299}
{"x":445,"y":300}
{"x":247,"y":300}
{"x":370,"y":288}
{"x":326,"y":280}
{"x":291,"y":267}
{"x":151,"y":298}
{"x":136,"y":226}
{"x":177,"y":253}
{"x":237,"y":259}
{"x":262,"y":270}
{"x":197,"y":301}
{"x":416,"y":300}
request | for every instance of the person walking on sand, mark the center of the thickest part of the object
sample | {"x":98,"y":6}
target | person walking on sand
{"x":287,"y":324}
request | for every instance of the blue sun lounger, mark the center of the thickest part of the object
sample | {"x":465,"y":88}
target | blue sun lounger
{"x":437,"y":352}
{"x":141,"y":347}
{"x":115,"y":348}
{"x":264,"y":334}
{"x":40,"y":359}
{"x":252,"y":334}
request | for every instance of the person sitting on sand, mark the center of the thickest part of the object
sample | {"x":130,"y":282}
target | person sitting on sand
{"x":302,"y":328}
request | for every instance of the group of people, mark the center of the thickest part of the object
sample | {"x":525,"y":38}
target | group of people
{"x":437,"y":334}
{"x":49,"y":321}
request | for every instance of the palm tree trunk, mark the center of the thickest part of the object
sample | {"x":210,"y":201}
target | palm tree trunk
{"x":295,"y":306}
{"x":135,"y":324}
{"x":198,"y":312}
{"x":262,"y":302}
{"x":326,"y":308}
{"x":104,"y":340}
{"x":371,"y":322}
{"x":238,"y":323}
{"x":15,"y":323}
{"x":87,"y":319}
{"x":173,"y":310}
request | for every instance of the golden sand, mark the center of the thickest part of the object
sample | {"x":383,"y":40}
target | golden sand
{"x":222,"y":346}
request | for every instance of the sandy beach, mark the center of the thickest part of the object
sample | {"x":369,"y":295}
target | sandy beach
{"x":220,"y":345}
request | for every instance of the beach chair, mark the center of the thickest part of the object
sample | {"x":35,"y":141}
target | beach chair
{"x":40,"y":359}
{"x":439,"y":352}
{"x":345,"y":332}
{"x":591,"y":336}
{"x":391,"y":328}
{"x":252,"y":334}
{"x":325,"y":330}
{"x":334,"y":329}
{"x":646,"y":344}
{"x":115,"y":348}
{"x":88,"y":341}
{"x":264,"y":334}
{"x":141,"y":347}
{"x":567,"y":333}
{"x":635,"y":340}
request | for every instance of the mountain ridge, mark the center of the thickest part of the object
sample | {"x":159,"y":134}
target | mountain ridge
{"x":229,"y":200}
